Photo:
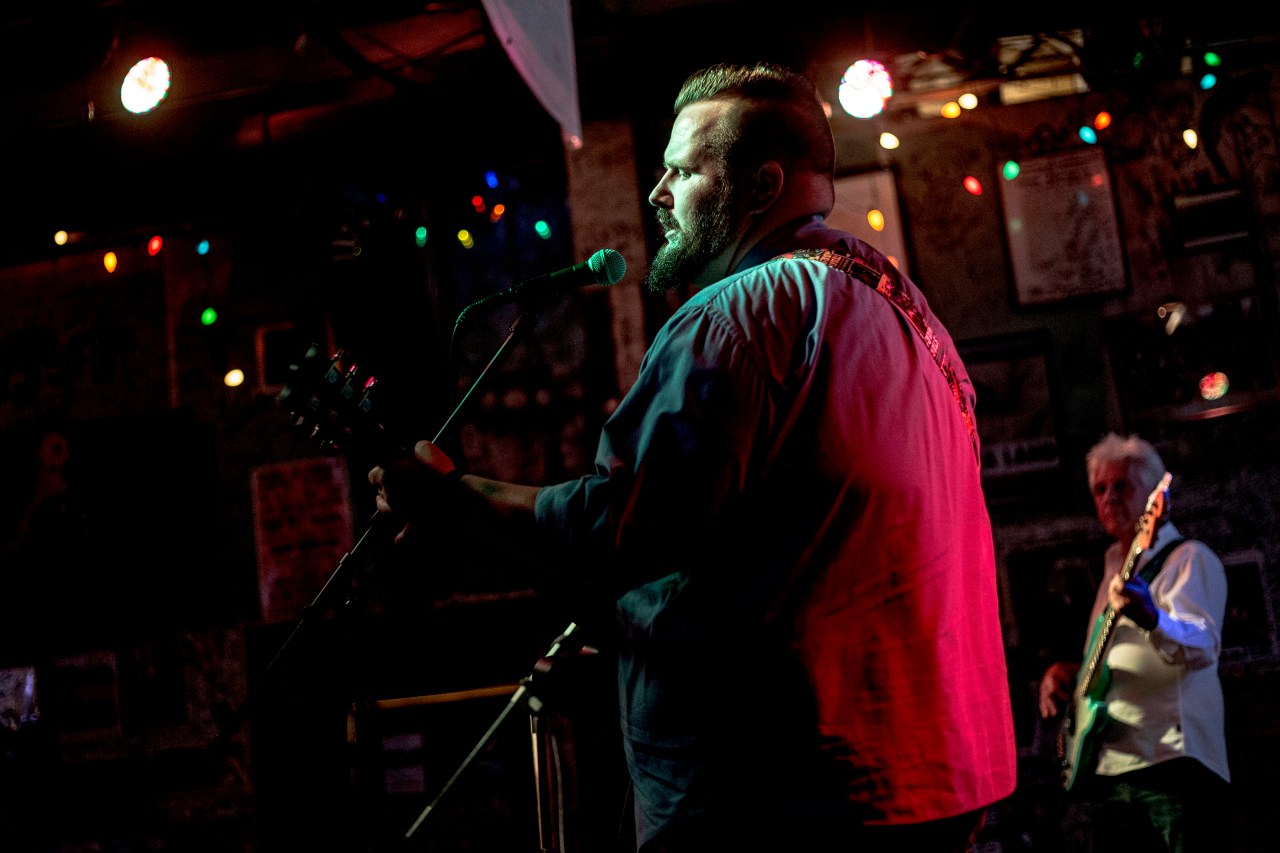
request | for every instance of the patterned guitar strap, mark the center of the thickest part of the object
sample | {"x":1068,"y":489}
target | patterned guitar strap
{"x":889,"y":289}
{"x":1154,"y":565}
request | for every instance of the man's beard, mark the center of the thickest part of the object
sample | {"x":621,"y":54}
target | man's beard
{"x":704,"y":238}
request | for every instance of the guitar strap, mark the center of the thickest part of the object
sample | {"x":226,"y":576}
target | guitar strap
{"x":900,"y":299}
{"x":1153,"y":565}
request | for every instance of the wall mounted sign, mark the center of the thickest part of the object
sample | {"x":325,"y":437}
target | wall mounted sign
{"x":1061,"y":227}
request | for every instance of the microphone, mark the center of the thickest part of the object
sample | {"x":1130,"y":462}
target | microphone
{"x":606,"y":266}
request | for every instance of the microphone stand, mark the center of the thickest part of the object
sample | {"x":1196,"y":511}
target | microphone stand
{"x":319,"y":604}
{"x":341,"y":576}
{"x":526,"y":694}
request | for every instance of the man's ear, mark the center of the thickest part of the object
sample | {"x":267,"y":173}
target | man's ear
{"x":766,"y":186}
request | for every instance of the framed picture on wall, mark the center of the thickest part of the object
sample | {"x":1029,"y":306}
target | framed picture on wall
{"x":865,"y":200}
{"x":1016,"y":414}
{"x":1060,"y":223}
{"x":1249,"y":629}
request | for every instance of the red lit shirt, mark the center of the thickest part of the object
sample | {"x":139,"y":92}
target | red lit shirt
{"x":790,"y":504}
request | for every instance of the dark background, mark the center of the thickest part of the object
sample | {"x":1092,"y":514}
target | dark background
{"x":308,"y":130}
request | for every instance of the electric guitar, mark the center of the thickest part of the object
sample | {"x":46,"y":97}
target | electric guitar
{"x":1086,"y":714}
{"x":333,"y":400}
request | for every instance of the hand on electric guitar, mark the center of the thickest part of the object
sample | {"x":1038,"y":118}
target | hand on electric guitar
{"x":423,"y":484}
{"x":1133,"y":599}
{"x":335,"y":402}
{"x":1056,"y":686}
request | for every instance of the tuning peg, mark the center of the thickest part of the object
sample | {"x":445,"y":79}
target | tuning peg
{"x":365,"y":403}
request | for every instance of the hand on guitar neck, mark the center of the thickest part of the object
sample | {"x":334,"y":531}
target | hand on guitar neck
{"x":334,"y":401}
{"x":422,"y":484}
{"x":1133,"y":599}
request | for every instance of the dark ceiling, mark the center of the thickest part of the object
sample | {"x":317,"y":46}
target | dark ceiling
{"x":360,"y":79}
{"x":251,"y":57}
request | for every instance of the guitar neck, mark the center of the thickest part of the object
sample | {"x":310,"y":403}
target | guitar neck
{"x":1088,"y":681}
{"x":1152,"y":514}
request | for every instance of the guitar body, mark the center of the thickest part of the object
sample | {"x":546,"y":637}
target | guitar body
{"x":1080,"y":737}
{"x":1082,"y":742}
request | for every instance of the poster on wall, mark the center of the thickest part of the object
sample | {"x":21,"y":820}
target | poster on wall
{"x":1060,"y":222}
{"x":302,"y":529}
{"x":84,"y":690}
{"x":872,"y":197}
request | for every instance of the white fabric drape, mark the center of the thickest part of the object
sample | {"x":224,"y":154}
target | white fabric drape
{"x":538,"y":37}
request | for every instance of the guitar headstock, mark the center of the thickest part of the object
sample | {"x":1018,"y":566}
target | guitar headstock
{"x":1157,"y":508}
{"x":333,"y":401}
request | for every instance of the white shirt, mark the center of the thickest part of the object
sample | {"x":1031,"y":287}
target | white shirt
{"x":1165,"y":697}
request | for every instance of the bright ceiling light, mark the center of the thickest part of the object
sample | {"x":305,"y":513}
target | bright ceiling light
{"x":865,"y":87}
{"x":145,"y":85}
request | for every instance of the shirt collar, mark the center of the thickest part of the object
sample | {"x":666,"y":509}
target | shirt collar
{"x":811,"y":232}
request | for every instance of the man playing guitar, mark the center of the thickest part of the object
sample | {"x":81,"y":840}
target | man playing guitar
{"x":1154,"y":775}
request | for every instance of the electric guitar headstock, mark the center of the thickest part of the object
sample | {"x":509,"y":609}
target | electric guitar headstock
{"x":1157,"y":507}
{"x":332,"y":400}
